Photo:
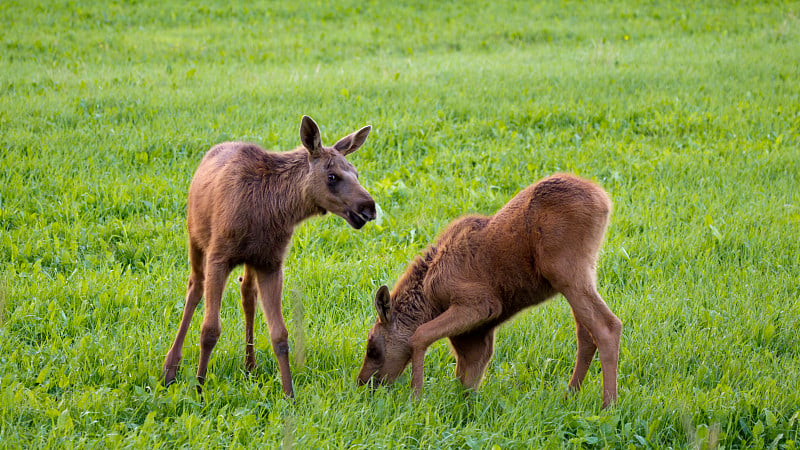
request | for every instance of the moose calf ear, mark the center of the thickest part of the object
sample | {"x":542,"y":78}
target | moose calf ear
{"x":309,"y":136}
{"x":353,"y":141}
{"x":382,"y":304}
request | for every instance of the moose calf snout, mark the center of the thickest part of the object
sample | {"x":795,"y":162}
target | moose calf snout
{"x":367,"y":210}
{"x":362,"y":213}
{"x":373,"y":380}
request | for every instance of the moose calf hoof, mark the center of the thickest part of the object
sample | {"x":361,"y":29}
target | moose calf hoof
{"x":169,"y":375}
{"x":416,"y":393}
{"x":200,"y":382}
{"x":609,"y":403}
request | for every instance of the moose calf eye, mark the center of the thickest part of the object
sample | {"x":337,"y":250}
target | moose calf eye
{"x":373,"y":353}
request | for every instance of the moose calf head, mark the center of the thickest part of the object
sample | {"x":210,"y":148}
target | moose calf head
{"x":333,"y":182}
{"x":388,"y":344}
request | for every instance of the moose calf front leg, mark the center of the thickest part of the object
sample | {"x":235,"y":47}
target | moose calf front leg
{"x":270,"y":285}
{"x":457,"y":319}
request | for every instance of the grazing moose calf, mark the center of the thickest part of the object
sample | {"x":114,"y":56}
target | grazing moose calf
{"x":483,"y":270}
{"x":243,"y":206}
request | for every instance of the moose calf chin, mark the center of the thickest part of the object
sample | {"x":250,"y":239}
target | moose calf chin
{"x":483,"y":270}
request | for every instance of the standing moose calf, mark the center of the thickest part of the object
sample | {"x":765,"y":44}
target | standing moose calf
{"x":243,"y":206}
{"x":483,"y":270}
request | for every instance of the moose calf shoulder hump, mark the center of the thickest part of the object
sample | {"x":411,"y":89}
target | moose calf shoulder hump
{"x":483,"y":270}
{"x":243,"y":205}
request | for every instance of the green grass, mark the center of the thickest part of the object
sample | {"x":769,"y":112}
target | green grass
{"x":687,"y":114}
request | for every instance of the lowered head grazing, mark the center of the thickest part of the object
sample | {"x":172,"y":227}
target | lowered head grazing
{"x":388,"y":352}
{"x":332,"y":181}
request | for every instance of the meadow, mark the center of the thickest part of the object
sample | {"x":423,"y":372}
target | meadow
{"x":687,"y":113}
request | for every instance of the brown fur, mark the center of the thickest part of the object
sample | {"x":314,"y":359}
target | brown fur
{"x":243,"y":206}
{"x":484,"y":270}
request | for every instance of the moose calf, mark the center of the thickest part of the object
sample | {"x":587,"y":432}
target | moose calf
{"x":243,"y":206}
{"x":483,"y":270}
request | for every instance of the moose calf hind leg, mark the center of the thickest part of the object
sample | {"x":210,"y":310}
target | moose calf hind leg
{"x":194,"y":292}
{"x":216,"y":276}
{"x":606,"y":329}
{"x":586,"y":350}
{"x":609,"y":357}
{"x":249,"y":296}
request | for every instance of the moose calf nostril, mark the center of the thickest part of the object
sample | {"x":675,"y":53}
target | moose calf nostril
{"x":368,"y":212}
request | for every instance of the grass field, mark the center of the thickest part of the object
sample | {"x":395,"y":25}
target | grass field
{"x":688,"y":114}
